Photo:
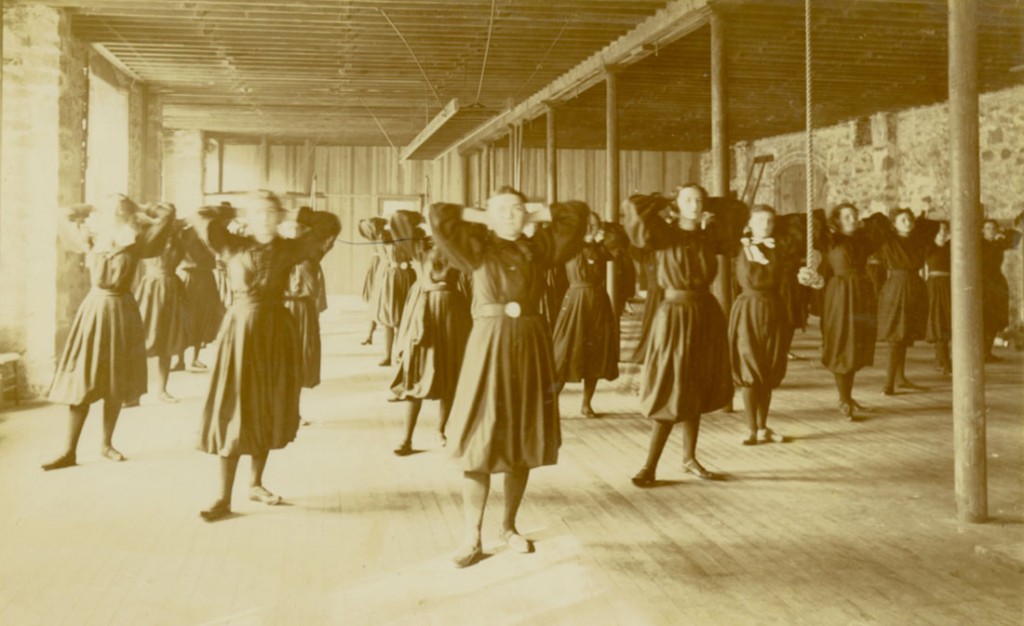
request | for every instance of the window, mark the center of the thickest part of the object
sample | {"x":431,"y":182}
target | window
{"x":106,"y":170}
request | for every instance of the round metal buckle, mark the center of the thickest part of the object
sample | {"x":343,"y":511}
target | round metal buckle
{"x":513,"y":310}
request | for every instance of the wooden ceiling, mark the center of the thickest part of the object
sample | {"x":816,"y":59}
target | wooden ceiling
{"x":869,"y":56}
{"x":339,"y":71}
{"x":363,"y":72}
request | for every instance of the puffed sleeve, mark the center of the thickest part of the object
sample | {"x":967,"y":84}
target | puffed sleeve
{"x":196,"y":251}
{"x":211,"y":226}
{"x":464,"y":243}
{"x":371,"y":228}
{"x":322,"y":227}
{"x":925,"y":231}
{"x":615,"y":238}
{"x":644,"y":224}
{"x":563,"y":237}
{"x":731,"y":217}
{"x":153,"y":236}
{"x":72,"y":230}
{"x":409,"y":237}
{"x":876,"y":229}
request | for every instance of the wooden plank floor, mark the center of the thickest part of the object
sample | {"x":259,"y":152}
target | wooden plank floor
{"x":845,"y":524}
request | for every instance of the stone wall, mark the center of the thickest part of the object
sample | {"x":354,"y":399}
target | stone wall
{"x":902,"y":159}
{"x":45,"y":95}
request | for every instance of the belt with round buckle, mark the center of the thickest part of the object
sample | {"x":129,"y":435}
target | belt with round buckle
{"x":513,"y":310}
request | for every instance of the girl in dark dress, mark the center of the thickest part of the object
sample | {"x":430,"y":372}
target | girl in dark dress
{"x":505,"y":413}
{"x":849,"y":324}
{"x":686,"y":368}
{"x":302,"y":299}
{"x":163,"y":306}
{"x":391,"y":290}
{"x":623,"y":266}
{"x":649,"y":263}
{"x":586,"y":335}
{"x":939,"y":327}
{"x":372,"y":229}
{"x":760,"y":327}
{"x":435,"y":327}
{"x":104,"y":357}
{"x":903,"y":298}
{"x":555,"y":288}
{"x":253,"y":402}
{"x":201,"y":293}
{"x":994,"y":288}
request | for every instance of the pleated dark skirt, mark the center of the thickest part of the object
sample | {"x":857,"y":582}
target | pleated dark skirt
{"x":505,"y":412}
{"x":848,"y":324}
{"x":995,"y":303}
{"x":654,"y":297}
{"x":253,"y":401}
{"x":204,"y":305}
{"x":760,"y":335}
{"x":430,"y":345}
{"x":164,"y":311}
{"x":686,"y":368}
{"x":105,"y":352}
{"x":371,"y":277}
{"x":902,"y":308}
{"x":940,"y":310}
{"x":387,"y":301}
{"x":586,"y":336}
{"x":306,"y":316}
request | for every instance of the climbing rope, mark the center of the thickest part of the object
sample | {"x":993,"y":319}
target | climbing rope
{"x":809,"y":132}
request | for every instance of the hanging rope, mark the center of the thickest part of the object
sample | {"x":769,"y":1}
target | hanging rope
{"x":426,"y":78}
{"x":809,"y":132}
{"x":487,"y":50}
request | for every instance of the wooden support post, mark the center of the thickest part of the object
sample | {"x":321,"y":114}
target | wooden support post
{"x":719,"y":183}
{"x":551,"y":156}
{"x":612,"y":163}
{"x":264,"y":155}
{"x":968,"y":349}
{"x":485,"y":180}
{"x":467,"y":180}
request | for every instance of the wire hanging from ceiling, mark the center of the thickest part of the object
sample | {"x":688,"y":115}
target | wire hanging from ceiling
{"x":558,"y":37}
{"x":487,"y":50}
{"x":437,"y":96}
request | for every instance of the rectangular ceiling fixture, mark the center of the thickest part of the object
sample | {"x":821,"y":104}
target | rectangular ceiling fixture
{"x":450,"y":125}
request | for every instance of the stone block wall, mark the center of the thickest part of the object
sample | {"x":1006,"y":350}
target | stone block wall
{"x":45,"y":94}
{"x":902,"y":159}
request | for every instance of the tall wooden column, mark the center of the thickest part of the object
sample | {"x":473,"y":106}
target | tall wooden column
{"x":968,"y":350}
{"x":466,"y":174}
{"x":719,"y":183}
{"x":612,"y":163}
{"x":485,"y":174}
{"x":551,"y":155}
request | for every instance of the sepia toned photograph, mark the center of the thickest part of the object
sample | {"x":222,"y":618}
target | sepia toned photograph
{"x":512,"y":312}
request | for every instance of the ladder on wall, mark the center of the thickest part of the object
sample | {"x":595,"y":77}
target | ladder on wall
{"x":759,"y":163}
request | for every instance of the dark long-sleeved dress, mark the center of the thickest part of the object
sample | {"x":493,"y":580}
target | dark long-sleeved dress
{"x":994,"y":288}
{"x":760,"y":324}
{"x":505,"y":412}
{"x":253,"y":401}
{"x":939,"y":326}
{"x":903,"y":298}
{"x":651,"y":305}
{"x":556,"y":284}
{"x":302,"y":299}
{"x":849,"y":323}
{"x":436,"y":322}
{"x":686,"y":368}
{"x":625,"y":271}
{"x":586,"y":335}
{"x":163,"y":302}
{"x":105,"y":353}
{"x":201,"y":292}
{"x":391,"y":285}
{"x":372,"y":230}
